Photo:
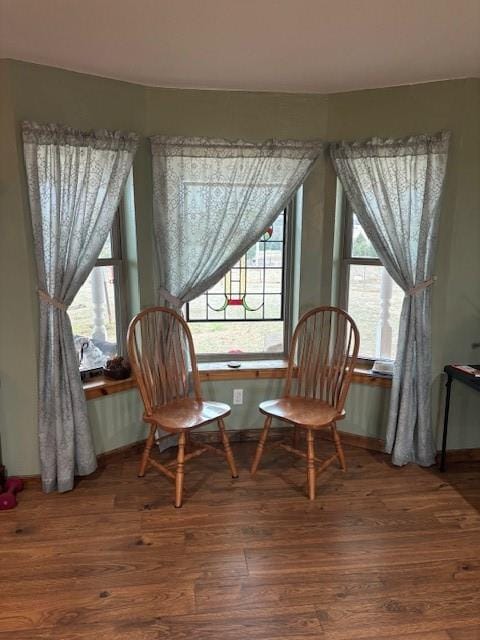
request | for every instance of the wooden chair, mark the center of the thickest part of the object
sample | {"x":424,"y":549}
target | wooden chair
{"x":159,"y":346}
{"x":325,"y":348}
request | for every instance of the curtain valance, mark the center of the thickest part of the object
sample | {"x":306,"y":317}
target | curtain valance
{"x":391,"y":147}
{"x":200,"y":147}
{"x":58,"y":134}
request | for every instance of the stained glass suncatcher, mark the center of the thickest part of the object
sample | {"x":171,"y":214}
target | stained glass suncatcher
{"x":253,"y":289}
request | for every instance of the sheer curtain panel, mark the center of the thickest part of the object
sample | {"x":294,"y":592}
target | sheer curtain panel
{"x":213,"y":199}
{"x":75,"y":181}
{"x":395,"y":187}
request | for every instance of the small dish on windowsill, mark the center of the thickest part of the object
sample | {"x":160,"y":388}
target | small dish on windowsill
{"x":117,"y":368}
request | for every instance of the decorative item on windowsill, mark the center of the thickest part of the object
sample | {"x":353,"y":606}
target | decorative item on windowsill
{"x":117,"y":368}
{"x":90,"y":358}
{"x":383,"y":368}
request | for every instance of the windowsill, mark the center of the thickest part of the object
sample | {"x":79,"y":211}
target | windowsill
{"x":211,"y":371}
{"x":365,"y":375}
{"x":100,"y":386}
{"x":251,"y":369}
{"x":248,"y":370}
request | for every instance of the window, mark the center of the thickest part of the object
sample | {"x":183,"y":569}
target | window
{"x":245,"y":314}
{"x":369,"y":294}
{"x":98,"y":312}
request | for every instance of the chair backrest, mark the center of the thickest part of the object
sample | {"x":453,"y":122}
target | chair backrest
{"x":160,"y":346}
{"x":322,"y":356}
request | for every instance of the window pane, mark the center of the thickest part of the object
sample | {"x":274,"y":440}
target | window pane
{"x":237,"y":337}
{"x":375,"y":303}
{"x":251,"y":291}
{"x":106,"y":251}
{"x":92,"y":314}
{"x":361,"y":245}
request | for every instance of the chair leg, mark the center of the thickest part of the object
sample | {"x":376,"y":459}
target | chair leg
{"x":295,"y":437}
{"x":180,"y":470}
{"x":261,"y":445}
{"x":310,"y":464}
{"x":228,"y":449}
{"x":188,"y":442}
{"x":146,"y":451}
{"x":338,"y":447}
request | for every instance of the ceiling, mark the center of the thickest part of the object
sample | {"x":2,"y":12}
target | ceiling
{"x":258,"y":45}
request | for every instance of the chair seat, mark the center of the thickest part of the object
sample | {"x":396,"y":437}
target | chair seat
{"x":186,"y":413}
{"x":304,"y":412}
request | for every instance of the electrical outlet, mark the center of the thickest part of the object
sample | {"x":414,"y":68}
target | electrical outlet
{"x":238,"y":396}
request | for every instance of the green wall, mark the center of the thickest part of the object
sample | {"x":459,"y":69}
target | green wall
{"x":45,"y":94}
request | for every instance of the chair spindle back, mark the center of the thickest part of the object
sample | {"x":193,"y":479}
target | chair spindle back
{"x":323,"y":355}
{"x":159,"y":346}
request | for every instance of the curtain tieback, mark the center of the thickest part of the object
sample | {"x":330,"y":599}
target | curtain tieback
{"x":420,"y":287}
{"x":170,"y":298}
{"x":43,"y":295}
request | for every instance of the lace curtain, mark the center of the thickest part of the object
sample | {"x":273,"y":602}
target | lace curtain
{"x":394,"y":187}
{"x":75,"y":181}
{"x":213,"y":199}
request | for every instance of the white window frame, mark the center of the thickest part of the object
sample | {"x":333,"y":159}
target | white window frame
{"x":118,"y":261}
{"x":384,"y":329}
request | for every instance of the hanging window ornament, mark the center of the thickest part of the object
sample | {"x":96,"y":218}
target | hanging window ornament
{"x":267,"y":234}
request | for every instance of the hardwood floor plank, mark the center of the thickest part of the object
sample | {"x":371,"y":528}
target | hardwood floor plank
{"x":143,"y":565}
{"x":434,"y":635}
{"x":114,"y":631}
{"x":34,"y":529}
{"x":89,"y":606}
{"x":289,"y":623}
{"x":415,"y":614}
{"x":283,"y":534}
{"x":315,"y":559}
{"x":334,"y":586}
{"x":472,"y":633}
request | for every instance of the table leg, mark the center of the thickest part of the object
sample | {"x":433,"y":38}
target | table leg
{"x":448,"y":386}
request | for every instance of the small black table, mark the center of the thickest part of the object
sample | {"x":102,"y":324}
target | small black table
{"x":471,"y":381}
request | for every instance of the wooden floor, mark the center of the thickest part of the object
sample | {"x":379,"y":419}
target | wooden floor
{"x":382,"y":553}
